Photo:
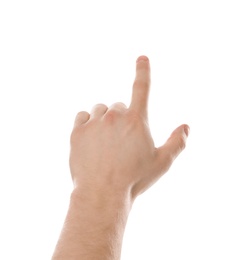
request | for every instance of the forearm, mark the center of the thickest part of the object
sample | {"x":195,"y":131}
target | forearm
{"x":94,"y":227}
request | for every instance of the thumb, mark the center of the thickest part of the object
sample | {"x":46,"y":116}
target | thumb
{"x":173,"y":146}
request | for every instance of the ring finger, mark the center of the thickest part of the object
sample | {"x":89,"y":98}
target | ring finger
{"x":98,"y":111}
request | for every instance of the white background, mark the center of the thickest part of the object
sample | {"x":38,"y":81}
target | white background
{"x":60,"y":57}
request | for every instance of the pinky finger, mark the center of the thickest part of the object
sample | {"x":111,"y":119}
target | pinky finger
{"x":81,"y":118}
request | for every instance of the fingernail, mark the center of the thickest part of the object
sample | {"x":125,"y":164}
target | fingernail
{"x":142,"y":58}
{"x":186,"y":130}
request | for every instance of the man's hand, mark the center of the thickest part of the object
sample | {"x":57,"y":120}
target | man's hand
{"x":112,"y":150}
{"x":113,"y":159}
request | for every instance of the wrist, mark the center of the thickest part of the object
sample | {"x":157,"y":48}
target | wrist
{"x":102,"y":198}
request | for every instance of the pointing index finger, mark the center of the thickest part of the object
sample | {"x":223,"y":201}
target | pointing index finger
{"x":141,"y":86}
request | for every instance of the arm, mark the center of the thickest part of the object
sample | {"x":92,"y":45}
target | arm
{"x":94,"y":227}
{"x":112,"y":160}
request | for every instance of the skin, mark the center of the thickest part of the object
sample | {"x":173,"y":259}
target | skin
{"x":113,"y":160}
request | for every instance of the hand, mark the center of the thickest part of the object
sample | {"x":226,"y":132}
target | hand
{"x":112,"y":149}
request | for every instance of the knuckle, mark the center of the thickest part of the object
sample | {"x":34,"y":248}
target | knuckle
{"x":111,"y":115}
{"x":81,"y":113}
{"x":182,"y":142}
{"x":119,"y":104}
{"x":142,"y":83}
{"x":100,"y":105}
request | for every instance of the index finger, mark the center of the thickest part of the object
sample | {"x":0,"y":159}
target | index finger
{"x":141,"y":86}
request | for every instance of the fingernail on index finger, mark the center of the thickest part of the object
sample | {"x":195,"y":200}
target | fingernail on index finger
{"x":142,"y":58}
